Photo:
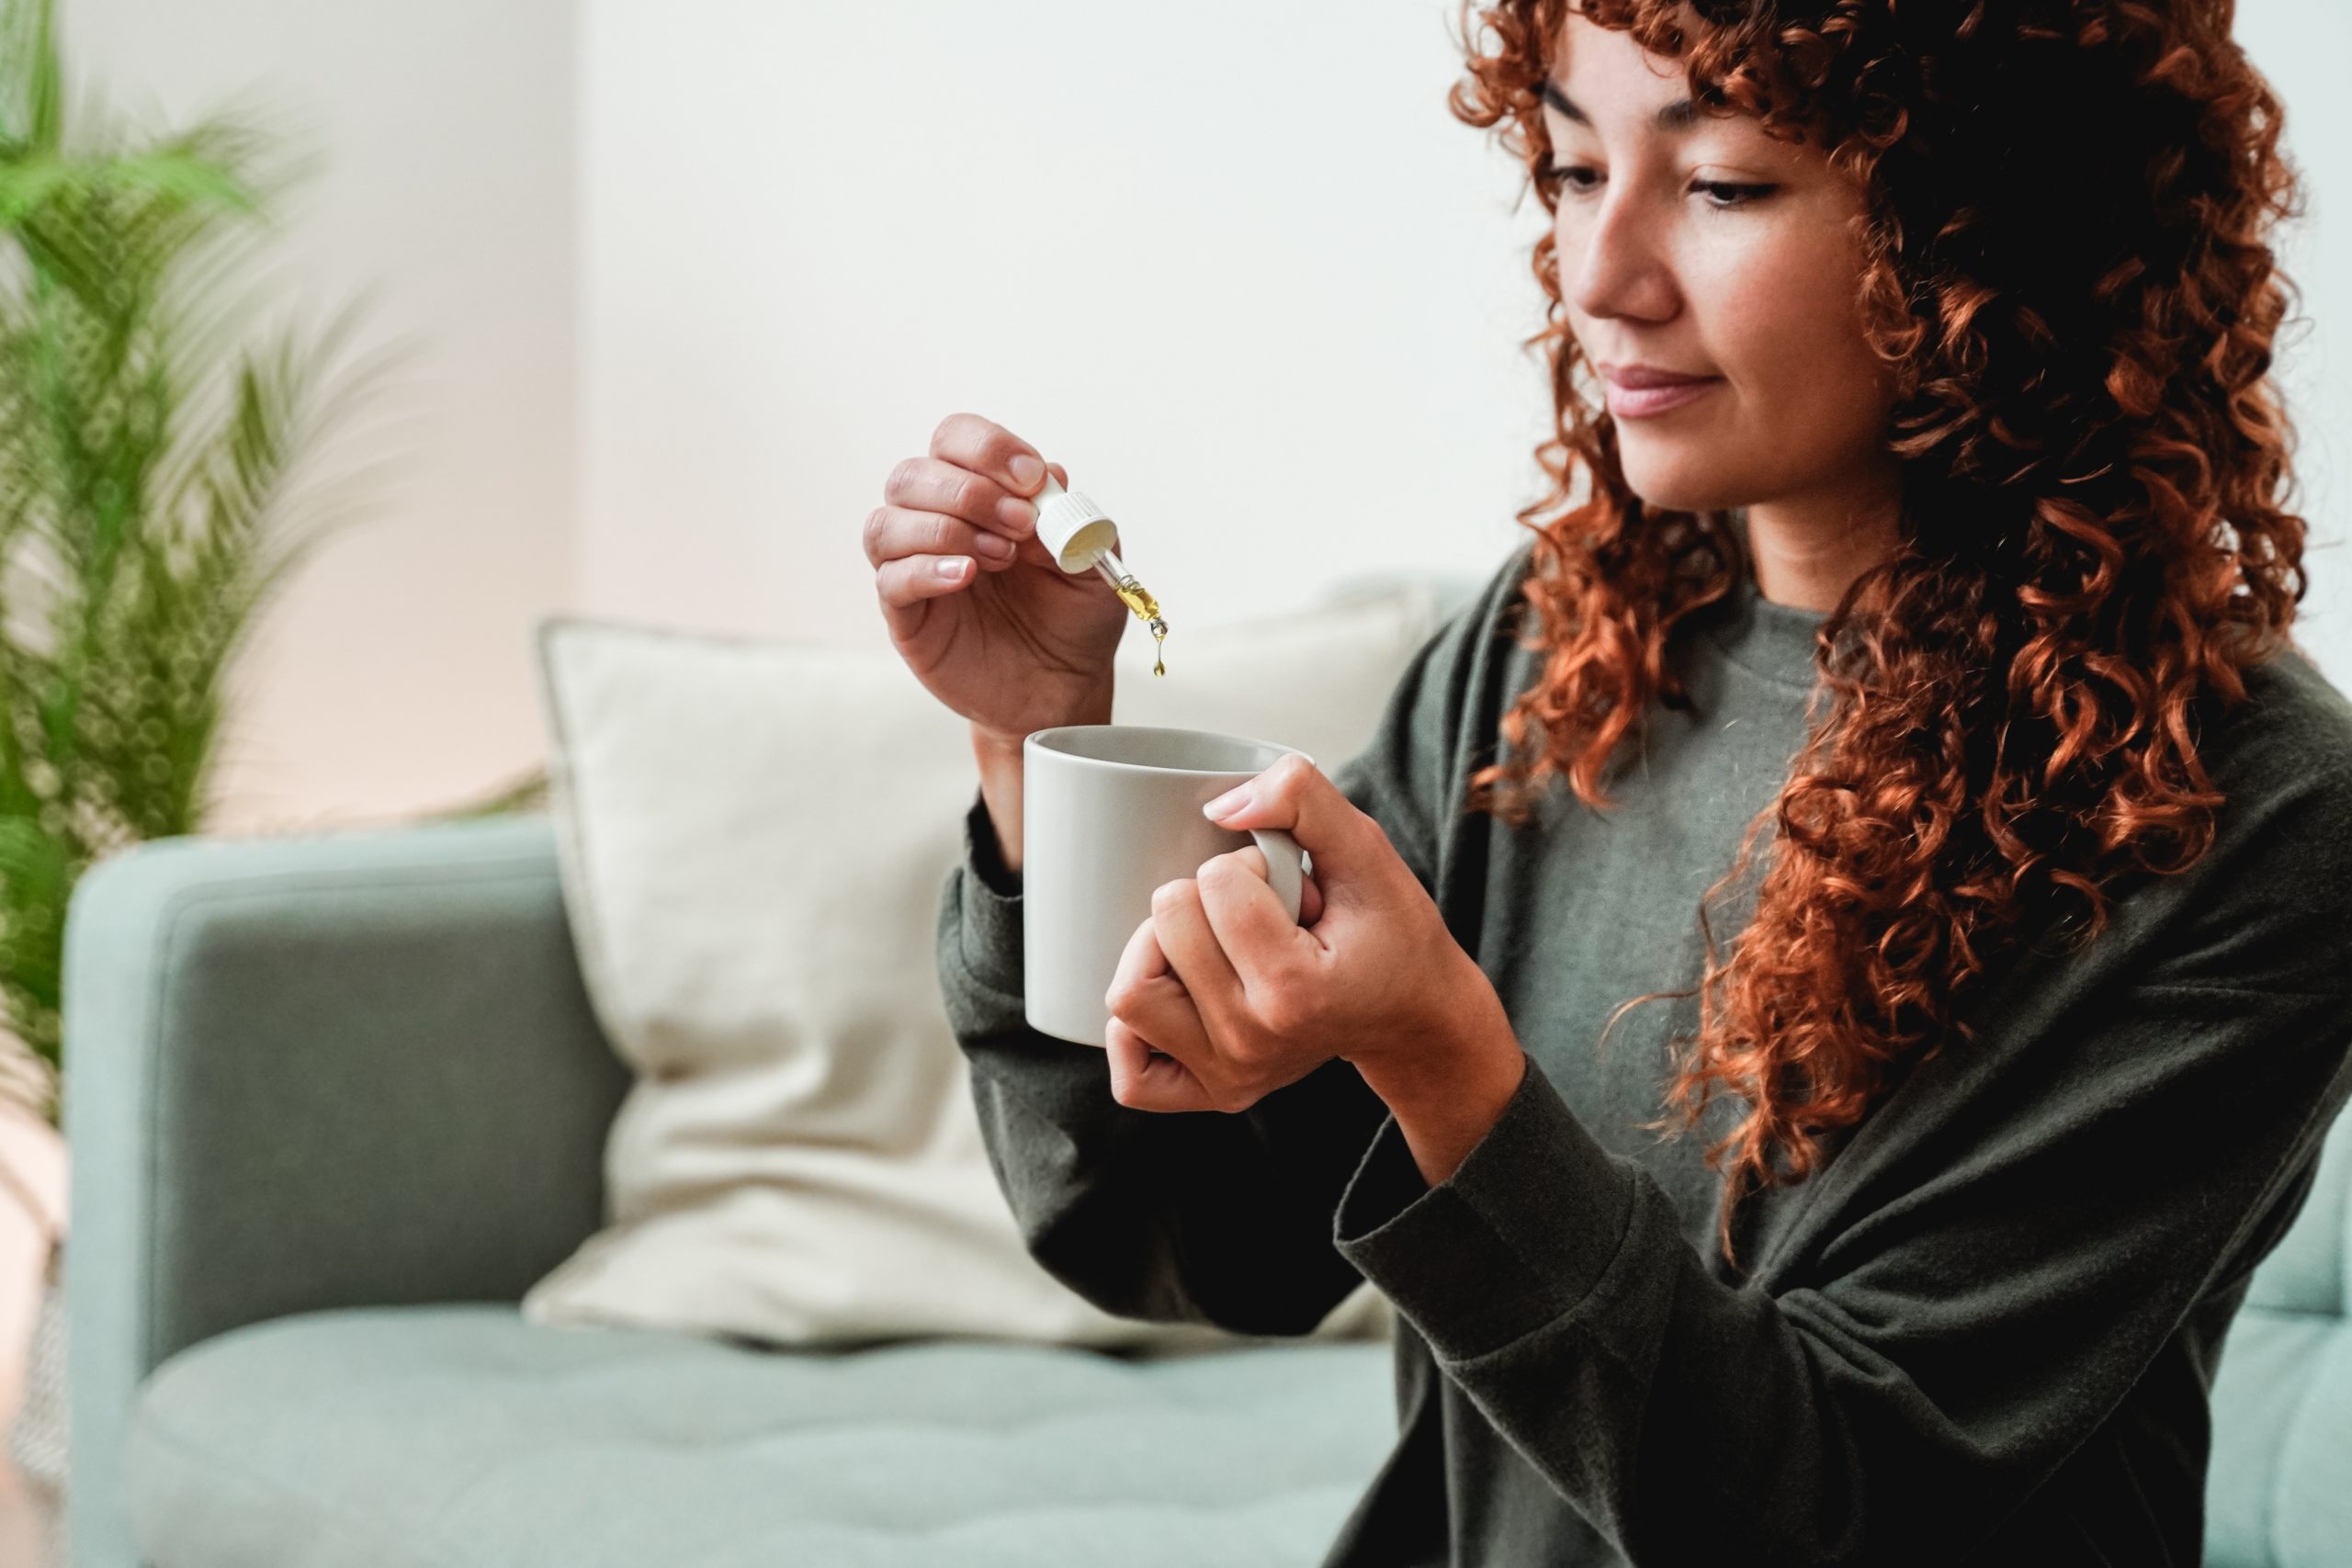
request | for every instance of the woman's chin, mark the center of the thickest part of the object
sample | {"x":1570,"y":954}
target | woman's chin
{"x":1671,"y":494}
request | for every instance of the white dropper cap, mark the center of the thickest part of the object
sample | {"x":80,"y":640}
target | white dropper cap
{"x":1082,"y":537}
{"x":1072,"y":526}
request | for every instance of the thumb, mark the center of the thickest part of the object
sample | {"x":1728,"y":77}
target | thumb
{"x":1296,"y":797}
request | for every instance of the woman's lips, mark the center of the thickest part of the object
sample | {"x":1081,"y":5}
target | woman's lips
{"x":1639,"y":402}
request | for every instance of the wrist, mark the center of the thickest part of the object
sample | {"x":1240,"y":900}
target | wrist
{"x":1001,"y":792}
{"x":1465,"y":1069}
{"x":1431,"y":1062}
{"x":995,"y":751}
{"x":1449,"y":1088}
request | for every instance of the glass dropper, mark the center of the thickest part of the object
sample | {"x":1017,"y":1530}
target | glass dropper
{"x":1137,"y":597}
{"x":1080,"y":534}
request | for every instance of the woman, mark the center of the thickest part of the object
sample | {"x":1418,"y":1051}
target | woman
{"x":1932,"y":638}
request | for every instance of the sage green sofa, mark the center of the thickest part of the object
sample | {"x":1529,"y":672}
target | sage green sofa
{"x":335,"y":1101}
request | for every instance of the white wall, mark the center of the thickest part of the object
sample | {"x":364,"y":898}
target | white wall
{"x":1276,"y":332}
{"x":392,"y":676}
{"x":1272,"y":329}
{"x":2300,"y":45}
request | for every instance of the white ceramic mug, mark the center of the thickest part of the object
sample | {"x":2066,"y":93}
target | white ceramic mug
{"x":1108,"y":813}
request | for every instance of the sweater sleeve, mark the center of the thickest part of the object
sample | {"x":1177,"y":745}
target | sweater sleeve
{"x":1174,"y":1217}
{"x":1193,"y":1216}
{"x":2013,"y":1236}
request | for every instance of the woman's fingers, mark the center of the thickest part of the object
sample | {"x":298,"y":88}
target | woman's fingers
{"x":1243,"y":917}
{"x":892,"y":532}
{"x":934,"y":484}
{"x":981,"y":446}
{"x":1146,"y":1079}
{"x":1140,"y":963}
{"x":1193,"y":952}
{"x":1149,"y":1000}
{"x":911,"y":579}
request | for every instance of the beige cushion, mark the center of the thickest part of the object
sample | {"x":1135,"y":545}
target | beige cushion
{"x":752,"y":837}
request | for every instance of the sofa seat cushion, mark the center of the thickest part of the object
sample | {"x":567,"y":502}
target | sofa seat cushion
{"x":460,"y":1434}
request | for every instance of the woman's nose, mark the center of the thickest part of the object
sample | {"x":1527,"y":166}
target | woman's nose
{"x":1613,"y":262}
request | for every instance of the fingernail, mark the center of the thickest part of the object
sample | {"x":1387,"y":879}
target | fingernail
{"x":1015,"y":513}
{"x":1225,"y":804}
{"x":995,"y":546}
{"x":952,"y":567}
{"x":1027,"y":470}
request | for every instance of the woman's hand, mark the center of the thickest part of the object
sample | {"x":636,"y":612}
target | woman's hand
{"x":1242,"y":1000}
{"x":977,"y":606}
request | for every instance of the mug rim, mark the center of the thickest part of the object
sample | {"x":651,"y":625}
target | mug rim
{"x":1042,"y":741}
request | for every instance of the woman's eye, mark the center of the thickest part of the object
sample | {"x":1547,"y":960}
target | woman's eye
{"x":1553,"y":171}
{"x":1725,"y":194}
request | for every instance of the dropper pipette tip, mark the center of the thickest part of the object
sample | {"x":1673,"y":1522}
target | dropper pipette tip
{"x":1114,"y":572}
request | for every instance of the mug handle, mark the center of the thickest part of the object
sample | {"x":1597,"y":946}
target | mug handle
{"x":1284,"y":871}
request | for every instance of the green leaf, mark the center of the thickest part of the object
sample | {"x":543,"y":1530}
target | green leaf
{"x":156,"y":446}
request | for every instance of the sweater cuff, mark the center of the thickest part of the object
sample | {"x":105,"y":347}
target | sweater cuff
{"x":991,"y":906}
{"x":1514,"y":1239}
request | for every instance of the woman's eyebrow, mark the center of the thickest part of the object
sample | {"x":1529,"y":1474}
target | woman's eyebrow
{"x":1672,"y":119}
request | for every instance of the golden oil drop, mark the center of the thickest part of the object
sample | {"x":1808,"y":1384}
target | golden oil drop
{"x":1139,"y":598}
{"x":1080,"y":534}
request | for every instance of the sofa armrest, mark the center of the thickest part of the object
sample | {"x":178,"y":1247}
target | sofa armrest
{"x":338,"y":1069}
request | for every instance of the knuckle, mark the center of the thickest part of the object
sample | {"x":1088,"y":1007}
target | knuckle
{"x":1126,"y":995}
{"x":1233,"y":870}
{"x":901,"y":475}
{"x":946,"y":430}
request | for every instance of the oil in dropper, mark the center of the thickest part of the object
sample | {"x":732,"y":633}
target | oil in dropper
{"x":1080,"y":535}
{"x":1138,"y":598}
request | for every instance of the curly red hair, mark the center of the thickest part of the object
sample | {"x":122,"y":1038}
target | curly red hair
{"x":2093,"y":547}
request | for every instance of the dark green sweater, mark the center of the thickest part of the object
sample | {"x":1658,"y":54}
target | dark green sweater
{"x":1984,"y":1333}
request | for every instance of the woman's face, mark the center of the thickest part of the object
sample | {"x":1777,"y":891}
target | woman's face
{"x":1709,"y":248}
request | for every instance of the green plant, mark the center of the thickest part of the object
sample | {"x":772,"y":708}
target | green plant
{"x":527,"y":791}
{"x":148,"y":437}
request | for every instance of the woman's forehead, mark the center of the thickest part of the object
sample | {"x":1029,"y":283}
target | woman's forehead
{"x":1605,"y":67}
{"x":1608,"y":82}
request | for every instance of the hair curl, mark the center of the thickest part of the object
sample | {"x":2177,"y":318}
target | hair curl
{"x":2092,"y":545}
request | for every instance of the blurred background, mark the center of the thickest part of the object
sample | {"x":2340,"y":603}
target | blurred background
{"x":687,"y":279}
{"x":676,"y":285}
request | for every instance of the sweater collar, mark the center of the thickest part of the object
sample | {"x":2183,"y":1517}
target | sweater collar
{"x":1765,"y":638}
